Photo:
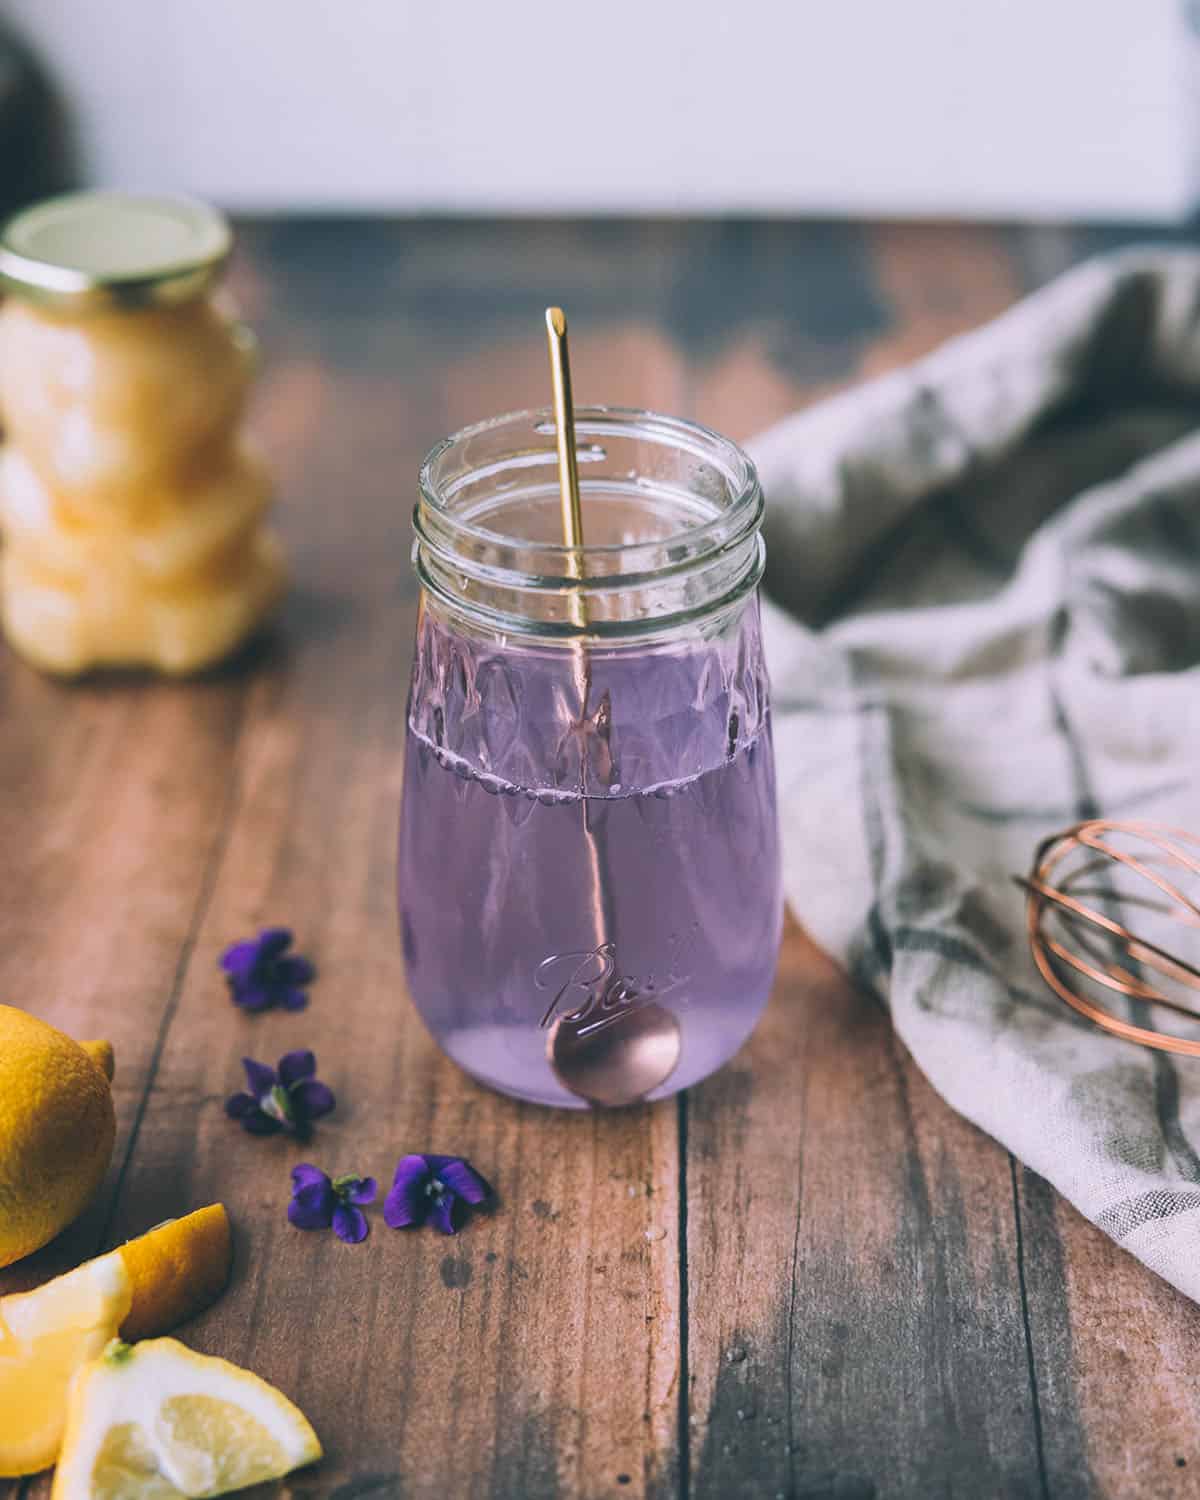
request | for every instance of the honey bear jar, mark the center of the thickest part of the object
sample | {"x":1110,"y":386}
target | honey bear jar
{"x":131,"y":504}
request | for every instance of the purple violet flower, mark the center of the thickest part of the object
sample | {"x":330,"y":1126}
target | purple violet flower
{"x":261,"y":973}
{"x":432,"y":1187}
{"x":321,"y":1203}
{"x":288,"y":1098}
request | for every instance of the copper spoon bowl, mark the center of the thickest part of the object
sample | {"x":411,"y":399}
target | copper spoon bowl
{"x":618,"y":1062}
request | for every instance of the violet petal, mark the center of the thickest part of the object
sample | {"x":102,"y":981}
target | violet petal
{"x":411,"y":1169}
{"x":350,"y":1223}
{"x":441,"y":1214}
{"x":294,"y":970}
{"x":464,"y":1180}
{"x":239,"y":958}
{"x":407,"y":1203}
{"x":405,"y":1208}
{"x":304,"y":1174}
{"x":237,"y":1106}
{"x":293,"y":999}
{"x":260,"y":1123}
{"x":311,"y":1099}
{"x":313,"y":1207}
{"x":361,"y":1190}
{"x":260,"y":1078}
{"x":251,"y":996}
{"x":272,"y":941}
{"x":294,"y":1066}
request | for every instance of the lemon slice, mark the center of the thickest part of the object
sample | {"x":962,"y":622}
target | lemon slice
{"x":153,"y":1421}
{"x":45,"y":1336}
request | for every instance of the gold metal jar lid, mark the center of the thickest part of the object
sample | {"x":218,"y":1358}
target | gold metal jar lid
{"x":83,"y":252}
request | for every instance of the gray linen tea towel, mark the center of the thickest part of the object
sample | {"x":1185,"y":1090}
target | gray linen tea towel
{"x":983,"y":624}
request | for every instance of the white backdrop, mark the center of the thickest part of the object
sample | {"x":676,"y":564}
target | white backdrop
{"x":975,"y":107}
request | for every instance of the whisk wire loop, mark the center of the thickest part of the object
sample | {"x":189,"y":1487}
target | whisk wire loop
{"x":1090,"y":938}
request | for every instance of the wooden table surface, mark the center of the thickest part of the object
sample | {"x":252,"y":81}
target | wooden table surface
{"x":806,"y":1277}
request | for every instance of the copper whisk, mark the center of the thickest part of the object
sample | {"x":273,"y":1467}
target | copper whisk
{"x":1087,"y":884}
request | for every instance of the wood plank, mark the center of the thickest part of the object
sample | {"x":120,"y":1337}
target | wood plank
{"x":937,"y":1403}
{"x":780,"y":314}
{"x":939,"y":280}
{"x":539,"y":1354}
{"x":855,"y":1323}
{"x":856,"y":1319}
{"x":112,"y":818}
{"x":1113,"y":1346}
{"x":1115,"y":1353}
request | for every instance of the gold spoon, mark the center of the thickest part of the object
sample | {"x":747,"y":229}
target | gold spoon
{"x":625,"y":1058}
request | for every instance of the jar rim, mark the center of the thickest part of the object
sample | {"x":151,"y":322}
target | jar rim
{"x":703,"y":441}
{"x":617,"y":590}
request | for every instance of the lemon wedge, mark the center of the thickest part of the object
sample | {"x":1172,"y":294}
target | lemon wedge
{"x":153,"y":1421}
{"x":176,"y":1270}
{"x":147,"y":1286}
{"x":45,"y":1335}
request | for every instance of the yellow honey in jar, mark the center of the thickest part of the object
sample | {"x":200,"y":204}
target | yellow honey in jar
{"x":131,"y":506}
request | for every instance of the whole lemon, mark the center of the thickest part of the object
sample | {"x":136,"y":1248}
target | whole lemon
{"x":56,"y":1129}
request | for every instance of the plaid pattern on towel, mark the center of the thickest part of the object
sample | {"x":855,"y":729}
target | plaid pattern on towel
{"x":984,"y":625}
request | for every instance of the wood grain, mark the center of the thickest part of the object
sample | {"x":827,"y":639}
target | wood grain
{"x":912,"y":1249}
{"x":540,"y":1345}
{"x":806,"y":1279}
{"x":115,"y":805}
{"x":866,"y":1337}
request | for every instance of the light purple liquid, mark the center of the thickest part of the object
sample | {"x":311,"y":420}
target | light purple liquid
{"x":545,"y":856}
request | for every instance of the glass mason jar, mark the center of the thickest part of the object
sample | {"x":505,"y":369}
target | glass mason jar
{"x":589,"y":862}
